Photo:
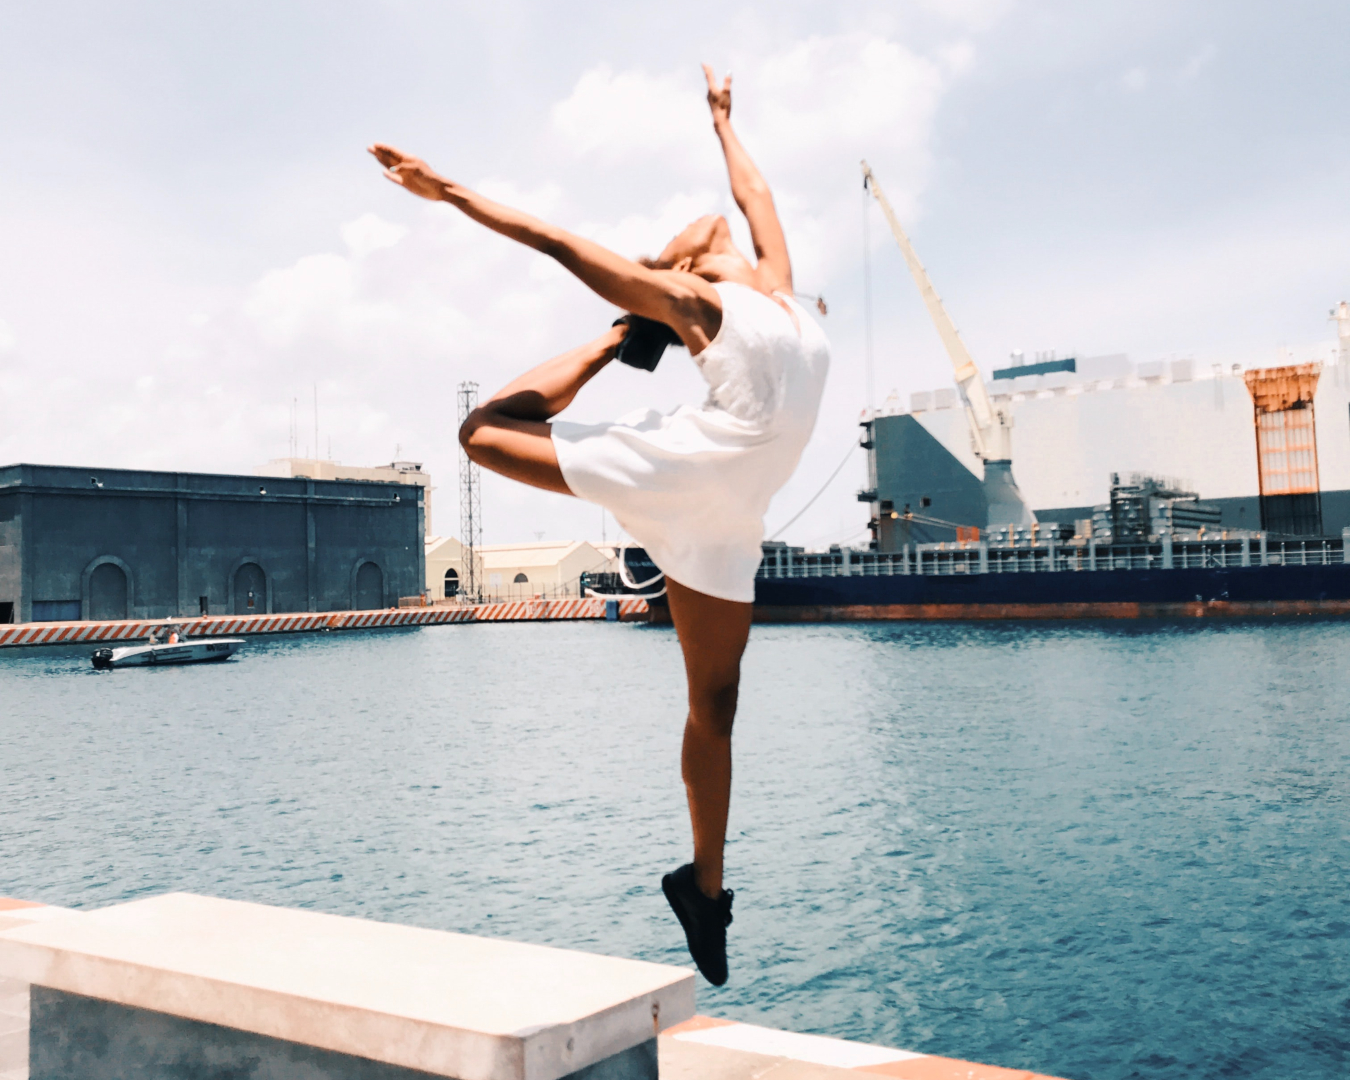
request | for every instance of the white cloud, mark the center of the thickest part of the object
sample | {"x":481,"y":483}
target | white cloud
{"x":973,"y":14}
{"x":370,"y":232}
{"x":1135,"y":80}
{"x":798,"y":108}
{"x":1197,"y":63}
{"x":807,"y":112}
{"x":288,"y":301}
{"x":857,"y":92}
{"x":615,"y":116}
{"x":8,"y":340}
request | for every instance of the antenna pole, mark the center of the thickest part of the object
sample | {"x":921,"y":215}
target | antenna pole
{"x":316,"y":419}
{"x":470,"y":503}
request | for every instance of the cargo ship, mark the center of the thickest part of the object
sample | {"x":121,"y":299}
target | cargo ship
{"x":1045,"y":577}
{"x":1090,"y":487}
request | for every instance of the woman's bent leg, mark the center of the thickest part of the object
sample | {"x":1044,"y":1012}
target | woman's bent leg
{"x":713,"y":634}
{"x":509,"y":433}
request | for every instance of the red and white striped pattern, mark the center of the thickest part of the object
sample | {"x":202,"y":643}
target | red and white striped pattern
{"x":69,"y":633}
{"x":590,"y":607}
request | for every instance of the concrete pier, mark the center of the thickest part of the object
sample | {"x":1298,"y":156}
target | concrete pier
{"x":314,"y":994}
{"x":184,"y":987}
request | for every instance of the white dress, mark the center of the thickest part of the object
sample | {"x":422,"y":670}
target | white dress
{"x":692,"y":486}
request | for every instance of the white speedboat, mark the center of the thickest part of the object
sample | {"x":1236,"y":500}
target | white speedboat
{"x":178,"y":652}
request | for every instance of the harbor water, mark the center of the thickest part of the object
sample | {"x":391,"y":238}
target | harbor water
{"x":1094,"y":851}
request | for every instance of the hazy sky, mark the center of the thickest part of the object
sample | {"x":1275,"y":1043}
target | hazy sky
{"x":191,"y":235}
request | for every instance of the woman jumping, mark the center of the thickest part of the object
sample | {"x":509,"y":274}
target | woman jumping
{"x":691,"y":486}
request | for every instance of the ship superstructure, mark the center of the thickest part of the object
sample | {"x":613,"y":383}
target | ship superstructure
{"x":1248,"y":440}
{"x":1087,"y":419}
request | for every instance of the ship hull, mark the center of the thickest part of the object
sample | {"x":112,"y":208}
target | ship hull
{"x":1231,"y":592}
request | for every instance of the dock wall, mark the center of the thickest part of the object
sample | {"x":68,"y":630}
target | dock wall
{"x":129,"y":630}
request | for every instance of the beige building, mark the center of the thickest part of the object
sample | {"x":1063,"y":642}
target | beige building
{"x":551,"y":568}
{"x":398,"y":472}
{"x":445,"y":568}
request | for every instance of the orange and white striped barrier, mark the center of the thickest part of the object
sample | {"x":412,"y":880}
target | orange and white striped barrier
{"x":76,"y":633}
{"x":862,"y":1058}
{"x":589,"y":607}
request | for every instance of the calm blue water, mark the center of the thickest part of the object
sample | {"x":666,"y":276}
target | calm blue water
{"x":1095,"y":851}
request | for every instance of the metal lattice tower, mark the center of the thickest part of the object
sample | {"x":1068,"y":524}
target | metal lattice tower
{"x":470,"y":503}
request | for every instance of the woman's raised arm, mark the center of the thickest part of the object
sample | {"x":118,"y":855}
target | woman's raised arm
{"x":682,"y":301}
{"x":751,"y":193}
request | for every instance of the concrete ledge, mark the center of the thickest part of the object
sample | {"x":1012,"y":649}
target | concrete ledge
{"x":445,"y":1004}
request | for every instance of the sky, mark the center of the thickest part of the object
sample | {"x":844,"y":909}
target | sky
{"x":194,"y":244}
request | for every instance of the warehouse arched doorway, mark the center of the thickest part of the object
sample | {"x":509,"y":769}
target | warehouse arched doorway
{"x":250,"y":590}
{"x":368,"y":587}
{"x":109,"y":591}
{"x":451,"y":583}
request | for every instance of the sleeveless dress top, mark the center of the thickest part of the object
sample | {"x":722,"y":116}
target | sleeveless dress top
{"x":692,"y":486}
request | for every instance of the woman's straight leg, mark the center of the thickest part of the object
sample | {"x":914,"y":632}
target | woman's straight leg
{"x":713,"y":634}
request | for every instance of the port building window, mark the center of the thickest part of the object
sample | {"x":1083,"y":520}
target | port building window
{"x":520,"y":579}
{"x":451,"y":583}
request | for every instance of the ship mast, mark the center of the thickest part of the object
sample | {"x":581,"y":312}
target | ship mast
{"x":990,"y":424}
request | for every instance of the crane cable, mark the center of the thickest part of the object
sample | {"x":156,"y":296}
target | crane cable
{"x":625,"y":574}
{"x":837,"y":469}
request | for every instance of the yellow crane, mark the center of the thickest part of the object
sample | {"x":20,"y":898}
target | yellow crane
{"x":990,"y":424}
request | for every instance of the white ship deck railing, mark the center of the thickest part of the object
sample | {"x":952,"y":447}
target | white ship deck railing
{"x":1050,"y":556}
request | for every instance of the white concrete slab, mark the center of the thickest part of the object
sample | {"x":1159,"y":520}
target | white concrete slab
{"x":475,"y":1008}
{"x":814,"y":1049}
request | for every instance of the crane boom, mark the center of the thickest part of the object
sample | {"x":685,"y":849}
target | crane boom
{"x":990,"y":426}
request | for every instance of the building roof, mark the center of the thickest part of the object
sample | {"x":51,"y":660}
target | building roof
{"x":543,"y":553}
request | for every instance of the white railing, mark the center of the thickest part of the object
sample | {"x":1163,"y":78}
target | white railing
{"x":1048,"y":556}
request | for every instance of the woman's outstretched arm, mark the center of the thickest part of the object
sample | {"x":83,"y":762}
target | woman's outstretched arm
{"x":681,"y":300}
{"x":751,"y":193}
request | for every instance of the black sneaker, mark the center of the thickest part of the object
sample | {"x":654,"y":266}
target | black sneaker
{"x":705,"y":921}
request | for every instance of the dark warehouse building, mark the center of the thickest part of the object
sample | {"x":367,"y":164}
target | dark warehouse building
{"x":120,"y":544}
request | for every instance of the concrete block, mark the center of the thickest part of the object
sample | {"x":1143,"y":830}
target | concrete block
{"x":308,"y":995}
{"x":82,"y":1038}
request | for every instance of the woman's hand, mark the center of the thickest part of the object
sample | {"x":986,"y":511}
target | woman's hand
{"x":719,"y":101}
{"x":410,"y":172}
